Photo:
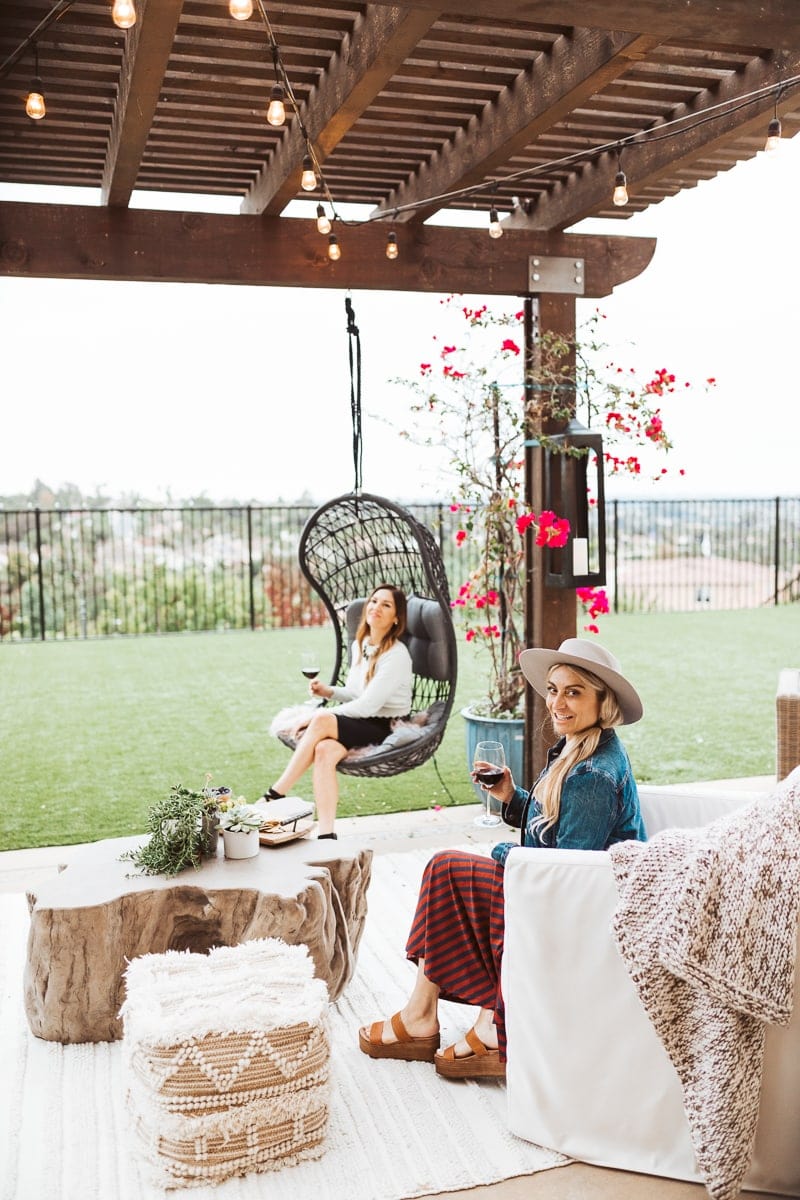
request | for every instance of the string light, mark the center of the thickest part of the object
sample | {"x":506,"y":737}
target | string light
{"x":392,"y":249}
{"x":34,"y":104}
{"x":241,"y":10}
{"x":620,"y":196}
{"x":276,"y":111}
{"x":774,"y":130}
{"x":123,"y":14}
{"x":495,"y":228}
{"x":323,"y":222}
{"x":334,"y":249}
{"x":308,"y":180}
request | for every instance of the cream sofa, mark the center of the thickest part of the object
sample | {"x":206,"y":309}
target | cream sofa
{"x":587,"y":1075}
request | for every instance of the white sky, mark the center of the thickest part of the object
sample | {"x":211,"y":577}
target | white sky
{"x":175,"y":390}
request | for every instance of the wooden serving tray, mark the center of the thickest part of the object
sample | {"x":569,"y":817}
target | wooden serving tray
{"x":279,"y":835}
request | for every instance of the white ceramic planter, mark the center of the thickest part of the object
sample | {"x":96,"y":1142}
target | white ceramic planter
{"x":240,"y":845}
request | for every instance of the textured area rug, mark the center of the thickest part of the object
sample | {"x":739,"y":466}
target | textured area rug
{"x":396,"y":1129}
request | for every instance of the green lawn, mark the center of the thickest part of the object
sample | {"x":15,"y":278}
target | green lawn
{"x":95,"y":732}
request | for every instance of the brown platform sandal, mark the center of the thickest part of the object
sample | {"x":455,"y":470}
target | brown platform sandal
{"x":407,"y":1048}
{"x":483,"y":1063}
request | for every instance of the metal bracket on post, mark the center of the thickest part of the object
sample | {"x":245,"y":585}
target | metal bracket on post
{"x":561,"y":275}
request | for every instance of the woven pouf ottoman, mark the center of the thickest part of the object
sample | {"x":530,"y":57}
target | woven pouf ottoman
{"x":225,"y":1060}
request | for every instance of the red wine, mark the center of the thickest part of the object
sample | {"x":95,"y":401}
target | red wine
{"x":489,"y":776}
{"x":311,"y":672}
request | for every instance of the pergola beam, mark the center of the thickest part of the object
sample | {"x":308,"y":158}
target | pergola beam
{"x":773,"y":23}
{"x":381,"y":41}
{"x":578,"y":66}
{"x":144,"y":64}
{"x":644,"y":162}
{"x":75,"y":242}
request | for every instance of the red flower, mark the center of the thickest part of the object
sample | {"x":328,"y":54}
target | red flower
{"x":508,"y":344}
{"x":461,"y":537}
{"x":524,"y":521}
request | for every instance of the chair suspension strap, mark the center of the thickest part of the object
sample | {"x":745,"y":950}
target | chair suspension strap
{"x":354,"y":349}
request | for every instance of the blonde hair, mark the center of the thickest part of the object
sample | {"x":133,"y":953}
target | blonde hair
{"x":394,"y":634}
{"x":548,"y":790}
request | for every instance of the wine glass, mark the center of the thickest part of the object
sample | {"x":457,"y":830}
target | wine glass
{"x":309,"y":665}
{"x":488,"y":761}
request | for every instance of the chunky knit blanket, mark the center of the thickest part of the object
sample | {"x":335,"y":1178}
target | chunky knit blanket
{"x":707,"y":926}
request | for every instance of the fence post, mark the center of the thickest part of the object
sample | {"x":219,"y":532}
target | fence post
{"x":776,"y":585}
{"x":250,"y":565}
{"x":39,"y":571}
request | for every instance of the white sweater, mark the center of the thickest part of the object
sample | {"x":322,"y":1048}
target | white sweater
{"x":388,"y":693}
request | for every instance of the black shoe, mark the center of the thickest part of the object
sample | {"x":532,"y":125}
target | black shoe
{"x":271,"y":794}
{"x":320,"y":836}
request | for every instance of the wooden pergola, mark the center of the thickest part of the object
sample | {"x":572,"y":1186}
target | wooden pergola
{"x":529,"y":108}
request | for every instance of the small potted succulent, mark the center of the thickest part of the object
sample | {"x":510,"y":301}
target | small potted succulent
{"x":240,"y":825}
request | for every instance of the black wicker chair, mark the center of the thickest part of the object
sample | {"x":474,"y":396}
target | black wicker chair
{"x":349,"y":546}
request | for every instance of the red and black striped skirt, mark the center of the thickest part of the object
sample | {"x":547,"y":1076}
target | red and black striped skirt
{"x":458,"y":930}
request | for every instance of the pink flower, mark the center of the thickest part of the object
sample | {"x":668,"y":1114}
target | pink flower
{"x":461,"y":537}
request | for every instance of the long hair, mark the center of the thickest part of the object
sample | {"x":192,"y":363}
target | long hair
{"x":548,"y":791}
{"x":392,"y":635}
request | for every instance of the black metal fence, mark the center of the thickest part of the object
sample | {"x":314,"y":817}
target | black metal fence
{"x":82,"y":573}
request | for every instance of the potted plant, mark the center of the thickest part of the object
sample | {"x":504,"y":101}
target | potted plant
{"x":471,"y":400}
{"x":240,"y":825}
{"x":181,"y":832}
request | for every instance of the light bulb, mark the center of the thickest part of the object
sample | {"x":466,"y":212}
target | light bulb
{"x":240,"y":10}
{"x":123,"y":14}
{"x":392,"y":250}
{"x":773,"y":135}
{"x":308,"y":180}
{"x":34,"y":105}
{"x":334,"y":250}
{"x":276,"y":112}
{"x":323,"y":224}
{"x":620,"y":196}
{"x":495,"y":228}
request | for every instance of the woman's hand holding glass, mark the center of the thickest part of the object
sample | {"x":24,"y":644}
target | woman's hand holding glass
{"x":489,"y":771}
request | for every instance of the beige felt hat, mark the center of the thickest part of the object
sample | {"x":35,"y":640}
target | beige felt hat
{"x":591,"y":656}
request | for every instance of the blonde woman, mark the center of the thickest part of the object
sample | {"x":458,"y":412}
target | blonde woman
{"x":585,"y":798}
{"x":377,"y":690}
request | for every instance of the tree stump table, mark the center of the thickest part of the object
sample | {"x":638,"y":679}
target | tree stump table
{"x":98,"y":913}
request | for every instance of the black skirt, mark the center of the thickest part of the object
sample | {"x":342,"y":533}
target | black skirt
{"x":362,"y":731}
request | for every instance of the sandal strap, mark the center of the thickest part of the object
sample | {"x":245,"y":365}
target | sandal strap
{"x":475,"y":1044}
{"x":400,"y":1031}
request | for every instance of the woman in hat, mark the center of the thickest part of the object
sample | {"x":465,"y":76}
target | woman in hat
{"x":585,"y":798}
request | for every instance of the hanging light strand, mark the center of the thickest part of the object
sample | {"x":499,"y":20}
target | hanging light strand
{"x":620,"y":196}
{"x":774,"y":129}
{"x":34,"y":104}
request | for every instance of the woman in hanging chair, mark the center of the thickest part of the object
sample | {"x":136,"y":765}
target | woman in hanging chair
{"x":376,"y":692}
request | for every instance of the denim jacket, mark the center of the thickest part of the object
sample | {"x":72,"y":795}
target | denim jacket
{"x":599,"y":804}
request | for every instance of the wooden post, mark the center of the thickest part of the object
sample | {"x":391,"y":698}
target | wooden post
{"x":550,"y":613}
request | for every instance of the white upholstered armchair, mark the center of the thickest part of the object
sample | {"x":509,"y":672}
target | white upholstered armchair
{"x":587,"y":1074}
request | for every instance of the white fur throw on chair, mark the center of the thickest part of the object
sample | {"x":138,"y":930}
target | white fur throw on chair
{"x":226,"y":1060}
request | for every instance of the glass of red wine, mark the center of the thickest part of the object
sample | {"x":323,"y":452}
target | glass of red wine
{"x":488,"y":763}
{"x":309,"y":665}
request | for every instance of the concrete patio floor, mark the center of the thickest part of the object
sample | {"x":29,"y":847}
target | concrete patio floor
{"x":394,"y":833}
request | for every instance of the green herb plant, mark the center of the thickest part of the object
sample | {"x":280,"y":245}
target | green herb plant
{"x":179,"y":837}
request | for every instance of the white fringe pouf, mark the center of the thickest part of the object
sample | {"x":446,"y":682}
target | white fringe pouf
{"x":226,"y":1060}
